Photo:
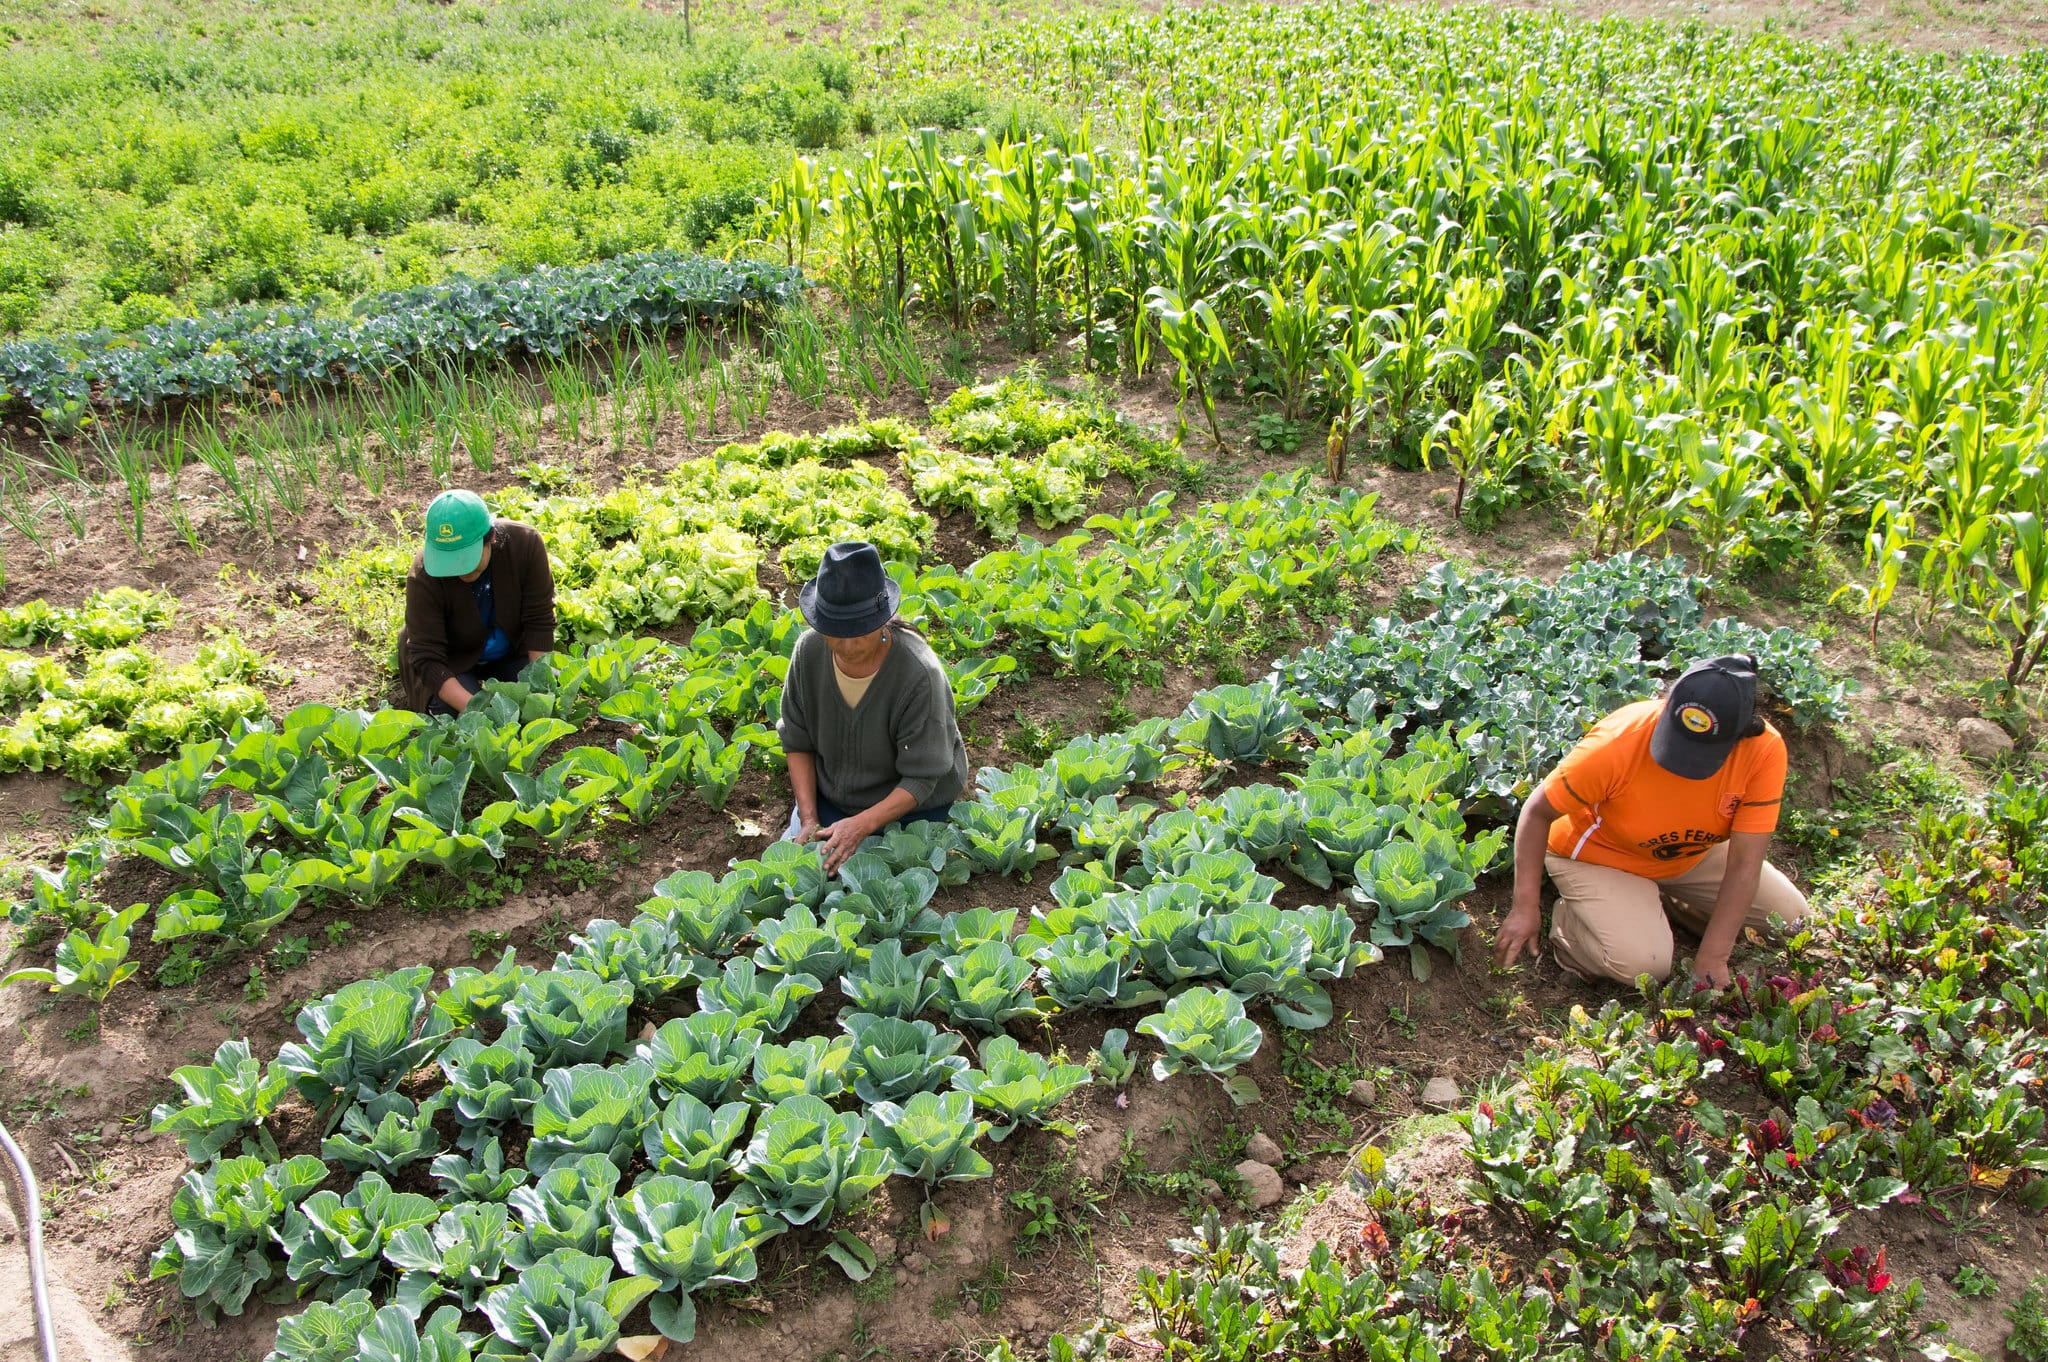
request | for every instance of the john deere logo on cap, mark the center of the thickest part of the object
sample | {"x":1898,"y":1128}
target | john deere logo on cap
{"x":1696,"y":720}
{"x":447,"y":533}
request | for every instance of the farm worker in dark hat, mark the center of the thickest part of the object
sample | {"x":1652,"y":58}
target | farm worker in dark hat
{"x":867,"y":711}
{"x":479,"y":605}
{"x":1666,"y":805}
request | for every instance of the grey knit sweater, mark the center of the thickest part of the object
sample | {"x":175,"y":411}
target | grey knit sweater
{"x":903,"y":733}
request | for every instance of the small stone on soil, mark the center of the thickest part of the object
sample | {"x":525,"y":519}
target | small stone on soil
{"x":1441,"y":1093}
{"x":110,"y":1130}
{"x":1363,"y":1091}
{"x":916,"y":1261}
{"x":884,"y":1246}
{"x":1261,"y":1183}
{"x":1299,"y":1173}
{"x":1982,"y":739}
{"x":1263,"y":1148}
{"x":1212,"y":1190}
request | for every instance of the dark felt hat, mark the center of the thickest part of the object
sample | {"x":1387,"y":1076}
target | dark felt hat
{"x":1710,"y":709}
{"x":852,"y":594}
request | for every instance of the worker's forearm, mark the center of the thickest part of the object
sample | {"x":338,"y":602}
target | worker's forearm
{"x":455,"y":695}
{"x":803,"y":780}
{"x":1532,"y":835}
{"x":894,"y":805}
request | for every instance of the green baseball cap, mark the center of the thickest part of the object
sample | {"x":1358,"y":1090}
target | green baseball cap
{"x":457,"y":524}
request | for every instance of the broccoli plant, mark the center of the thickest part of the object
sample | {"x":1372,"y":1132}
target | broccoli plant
{"x":706,"y":1055}
{"x":1206,"y":1029}
{"x":894,"y":1058}
{"x":224,"y":1100}
{"x":564,"y":1208}
{"x":691,"y":1140}
{"x":224,"y":1219}
{"x":669,"y":1229}
{"x":1018,"y":1086}
{"x":931,"y":1137}
{"x":807,"y":1161}
{"x":564,"y":1308}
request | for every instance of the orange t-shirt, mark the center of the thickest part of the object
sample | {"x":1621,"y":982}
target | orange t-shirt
{"x":1622,"y":809}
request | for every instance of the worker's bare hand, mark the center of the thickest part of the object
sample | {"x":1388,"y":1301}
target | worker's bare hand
{"x":840,"y":841}
{"x":1518,"y":932}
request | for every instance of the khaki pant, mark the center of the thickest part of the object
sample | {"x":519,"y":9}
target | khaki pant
{"x":1609,"y":924}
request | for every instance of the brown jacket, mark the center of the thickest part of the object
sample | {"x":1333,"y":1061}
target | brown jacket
{"x":444,"y":635}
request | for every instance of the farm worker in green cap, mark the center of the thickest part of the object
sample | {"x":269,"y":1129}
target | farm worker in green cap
{"x":479,"y":605}
{"x":867,"y":712}
{"x":1663,"y":811}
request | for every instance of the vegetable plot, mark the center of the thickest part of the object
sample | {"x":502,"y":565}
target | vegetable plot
{"x":98,"y":701}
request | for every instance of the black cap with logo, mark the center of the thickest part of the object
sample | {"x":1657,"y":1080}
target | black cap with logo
{"x":1710,"y":709}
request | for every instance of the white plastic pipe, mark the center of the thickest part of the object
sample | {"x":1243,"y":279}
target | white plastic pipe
{"x":38,"y":1287}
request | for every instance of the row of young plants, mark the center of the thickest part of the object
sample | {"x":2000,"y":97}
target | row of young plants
{"x":690,"y":546}
{"x":348,"y":804}
{"x":1688,"y":1172}
{"x":92,"y":700}
{"x":547,"y":311}
{"x":1754,"y":306}
{"x":723,"y":1115}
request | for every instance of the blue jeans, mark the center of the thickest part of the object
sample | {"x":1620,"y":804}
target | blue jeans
{"x":830,"y":813}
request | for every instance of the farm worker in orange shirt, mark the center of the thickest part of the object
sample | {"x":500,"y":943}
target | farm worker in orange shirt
{"x":1666,"y":805}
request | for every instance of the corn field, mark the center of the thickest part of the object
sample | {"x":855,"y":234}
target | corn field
{"x":1762,"y":294}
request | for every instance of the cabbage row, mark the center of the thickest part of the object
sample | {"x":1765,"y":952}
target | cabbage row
{"x":555,"y":1140}
{"x":547,"y":311}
